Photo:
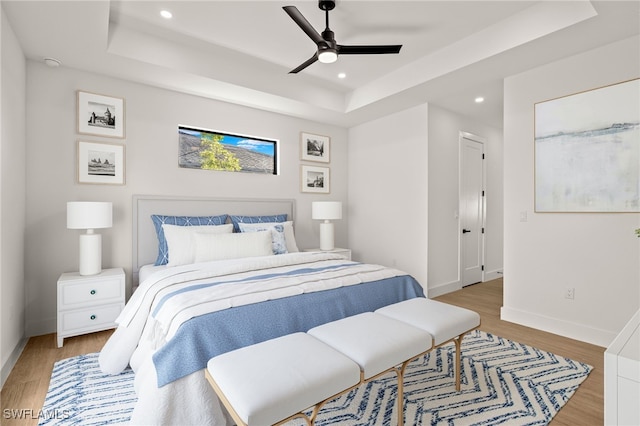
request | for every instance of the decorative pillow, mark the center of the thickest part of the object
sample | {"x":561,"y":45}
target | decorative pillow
{"x":232,"y":246}
{"x":159,"y":220}
{"x":289,"y":237}
{"x":181,"y":244}
{"x":278,"y":241}
{"x":256,"y":219}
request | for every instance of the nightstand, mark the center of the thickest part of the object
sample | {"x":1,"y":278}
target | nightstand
{"x":341,"y":251}
{"x":88,"y":303}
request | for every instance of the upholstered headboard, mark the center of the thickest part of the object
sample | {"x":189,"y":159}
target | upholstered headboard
{"x":145,"y":242}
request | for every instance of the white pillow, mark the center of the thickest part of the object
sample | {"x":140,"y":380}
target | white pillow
{"x":279,"y":244}
{"x":290,"y":238}
{"x":232,"y":246}
{"x":181,"y":244}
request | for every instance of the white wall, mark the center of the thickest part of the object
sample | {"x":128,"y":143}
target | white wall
{"x":597,"y":254}
{"x":403,"y":192}
{"x":12,"y":198}
{"x":152,"y":117}
{"x":444,"y":178}
{"x":388,"y":191}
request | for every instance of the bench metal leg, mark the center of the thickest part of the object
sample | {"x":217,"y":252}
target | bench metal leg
{"x":458,"y":342}
{"x":458,"y":356}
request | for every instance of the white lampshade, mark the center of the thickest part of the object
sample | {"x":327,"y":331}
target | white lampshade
{"x":326,"y":210}
{"x":89,"y":215}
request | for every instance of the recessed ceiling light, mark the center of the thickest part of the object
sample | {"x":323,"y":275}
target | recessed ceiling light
{"x":479,"y":100}
{"x":342,"y":75}
{"x":166,"y":14}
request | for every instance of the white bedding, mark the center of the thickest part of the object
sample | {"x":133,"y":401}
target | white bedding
{"x":190,"y":400}
{"x":146,"y":271}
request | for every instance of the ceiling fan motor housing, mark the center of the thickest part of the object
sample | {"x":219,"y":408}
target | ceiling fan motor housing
{"x":329,"y":38}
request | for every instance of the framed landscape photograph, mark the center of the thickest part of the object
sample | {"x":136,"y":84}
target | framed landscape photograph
{"x":314,"y":179}
{"x":315,"y":147}
{"x":587,"y":155}
{"x":221,"y":151}
{"x":100,"y":115}
{"x":101,"y":163}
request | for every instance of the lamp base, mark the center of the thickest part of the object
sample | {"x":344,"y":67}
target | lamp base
{"x":326,"y":236}
{"x":90,"y":254}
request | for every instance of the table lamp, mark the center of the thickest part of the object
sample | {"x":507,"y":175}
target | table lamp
{"x":89,"y":215}
{"x":327,"y":211}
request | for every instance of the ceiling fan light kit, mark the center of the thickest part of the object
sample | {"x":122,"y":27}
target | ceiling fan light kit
{"x":328,"y":56}
{"x":328,"y":50}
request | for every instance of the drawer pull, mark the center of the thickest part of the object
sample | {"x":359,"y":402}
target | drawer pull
{"x":93,"y":292}
{"x":92,"y":317}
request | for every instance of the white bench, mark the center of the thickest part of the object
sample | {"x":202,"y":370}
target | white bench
{"x":275,"y":381}
{"x":378,"y":344}
{"x":272,"y":382}
{"x":443,"y":321}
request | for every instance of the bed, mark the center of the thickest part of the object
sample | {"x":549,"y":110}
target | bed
{"x":218,"y":274}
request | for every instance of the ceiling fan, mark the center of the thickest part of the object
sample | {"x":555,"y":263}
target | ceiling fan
{"x":328,"y":49}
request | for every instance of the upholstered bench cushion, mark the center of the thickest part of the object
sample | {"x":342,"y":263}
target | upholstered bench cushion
{"x":272,"y":380}
{"x":443,"y":321}
{"x":377,"y":343}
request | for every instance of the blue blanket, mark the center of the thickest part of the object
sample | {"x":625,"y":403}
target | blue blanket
{"x":206,"y":336}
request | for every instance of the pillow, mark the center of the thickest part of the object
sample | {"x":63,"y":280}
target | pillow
{"x":289,"y":237}
{"x":256,"y":219}
{"x":159,"y":220}
{"x":181,"y":246}
{"x":278,"y":242}
{"x":232,"y":246}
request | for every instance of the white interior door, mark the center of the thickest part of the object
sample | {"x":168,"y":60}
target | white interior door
{"x":471,"y":209}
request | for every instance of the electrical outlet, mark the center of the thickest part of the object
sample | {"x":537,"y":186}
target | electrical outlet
{"x":570,"y":293}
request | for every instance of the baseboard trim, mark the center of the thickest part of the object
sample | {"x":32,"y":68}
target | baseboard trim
{"x":443,"y":289}
{"x":449,"y":287}
{"x":43,"y":326}
{"x":557,"y":326}
{"x":11,"y":361}
{"x":493,"y":275}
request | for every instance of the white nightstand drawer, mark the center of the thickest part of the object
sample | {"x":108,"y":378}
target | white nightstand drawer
{"x":88,"y":303}
{"x":90,"y":293}
{"x":90,"y":319}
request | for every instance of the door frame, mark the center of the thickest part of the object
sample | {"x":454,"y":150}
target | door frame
{"x":481,"y":140}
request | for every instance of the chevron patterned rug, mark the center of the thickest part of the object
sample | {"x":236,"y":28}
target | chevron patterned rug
{"x":503,"y":382}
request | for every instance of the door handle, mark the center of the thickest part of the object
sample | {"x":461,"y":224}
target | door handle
{"x":464,"y":231}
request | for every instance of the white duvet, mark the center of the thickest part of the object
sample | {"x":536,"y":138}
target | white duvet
{"x":190,"y":400}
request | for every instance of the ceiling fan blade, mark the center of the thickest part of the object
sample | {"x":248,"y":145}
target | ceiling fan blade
{"x":368,"y":50}
{"x":308,"y":62}
{"x":302,"y":22}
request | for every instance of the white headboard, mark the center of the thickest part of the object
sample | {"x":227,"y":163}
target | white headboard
{"x":145,"y":242}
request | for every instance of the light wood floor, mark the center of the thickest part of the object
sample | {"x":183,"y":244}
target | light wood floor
{"x":27,"y":384}
{"x":26,"y":387}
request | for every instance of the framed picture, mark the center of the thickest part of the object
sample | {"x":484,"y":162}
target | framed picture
{"x":214,"y":150}
{"x":101,"y":163}
{"x":315,"y":147}
{"x":314,"y":179}
{"x":587,"y":156}
{"x":100,"y":115}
